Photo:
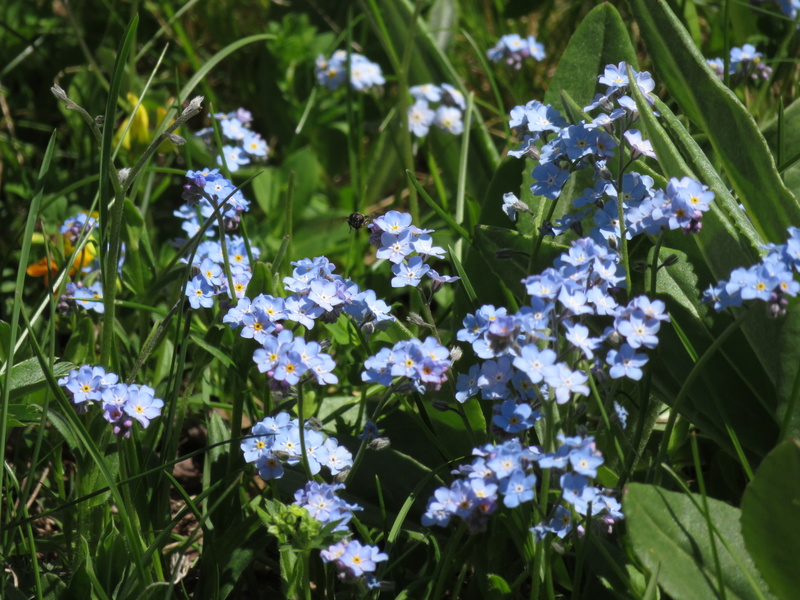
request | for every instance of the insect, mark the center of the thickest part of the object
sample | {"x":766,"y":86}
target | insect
{"x":356,"y":221}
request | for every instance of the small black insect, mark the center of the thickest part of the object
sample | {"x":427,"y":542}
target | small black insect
{"x":356,"y":221}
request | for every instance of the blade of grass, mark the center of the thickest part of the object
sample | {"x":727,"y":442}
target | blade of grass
{"x":111,"y":225}
{"x":16,"y":309}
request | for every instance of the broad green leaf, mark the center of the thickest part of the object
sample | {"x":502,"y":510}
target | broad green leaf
{"x":727,"y":240}
{"x":666,"y":531}
{"x":20,"y":415}
{"x":600,"y":39}
{"x":788,"y":385}
{"x":27,"y":376}
{"x":732,"y":131}
{"x":732,"y":388}
{"x":770,"y":525}
{"x":791,"y":145}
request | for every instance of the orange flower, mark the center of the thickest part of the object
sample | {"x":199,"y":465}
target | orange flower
{"x":49,"y":268}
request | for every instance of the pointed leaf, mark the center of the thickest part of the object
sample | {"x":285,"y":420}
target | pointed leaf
{"x":668,"y":532}
{"x":730,"y":127}
{"x":600,"y":39}
{"x":771,"y":531}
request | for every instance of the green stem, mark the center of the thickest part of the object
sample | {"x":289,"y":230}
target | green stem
{"x":538,"y":238}
{"x":687,"y":384}
{"x":363,"y":446}
{"x":302,"y":423}
{"x":623,"y":242}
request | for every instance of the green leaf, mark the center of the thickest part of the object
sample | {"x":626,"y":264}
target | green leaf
{"x":788,"y":385}
{"x":731,"y":130}
{"x":27,"y":376}
{"x":20,"y":415}
{"x":707,"y":174}
{"x":498,"y":585}
{"x":718,"y":395}
{"x":769,"y":524}
{"x":600,"y":39}
{"x":80,"y":348}
{"x":791,"y":145}
{"x":221,"y":356}
{"x":667,"y":531}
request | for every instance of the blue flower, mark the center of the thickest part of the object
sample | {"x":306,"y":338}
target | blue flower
{"x":549,"y":179}
{"x":518,"y":488}
{"x":514,"y":417}
{"x":626,"y":363}
{"x":420,"y":118}
{"x":200,"y":293}
{"x":142,"y":405}
{"x":409,"y":274}
{"x":467,"y":384}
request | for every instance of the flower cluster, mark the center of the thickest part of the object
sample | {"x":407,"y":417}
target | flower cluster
{"x":448,"y":116}
{"x":771,"y":280}
{"x":322,"y":503}
{"x":73,"y":227}
{"x":745,"y":64}
{"x":509,"y":472}
{"x":520,"y":350}
{"x":276,"y":439}
{"x":354,"y":560}
{"x":320,"y":292}
{"x":364,"y":73}
{"x":513,"y":49}
{"x":78,"y":294}
{"x":423,"y":364}
{"x":285,"y":358}
{"x":317,"y":293}
{"x":122,"y":404}
{"x":244,"y":143}
{"x":397,"y":239}
{"x":566,"y":148}
{"x":789,"y":8}
{"x":206,"y":193}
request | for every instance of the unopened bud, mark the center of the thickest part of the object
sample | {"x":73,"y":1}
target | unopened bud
{"x":59,"y":93}
{"x":379,"y":444}
{"x":415,"y":319}
{"x":176,"y":139}
{"x":406,"y":388}
{"x":455,"y":353}
{"x":194,"y":107}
